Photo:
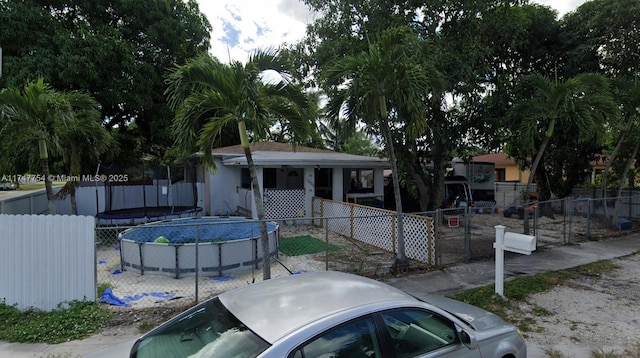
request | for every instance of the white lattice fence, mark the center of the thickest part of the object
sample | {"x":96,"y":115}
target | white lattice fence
{"x":378,"y":227}
{"x":419,"y":233}
{"x":373,"y":226}
{"x":339,"y":217}
{"x":280,"y":204}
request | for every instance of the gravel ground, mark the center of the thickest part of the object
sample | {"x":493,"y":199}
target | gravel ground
{"x":600,"y":314}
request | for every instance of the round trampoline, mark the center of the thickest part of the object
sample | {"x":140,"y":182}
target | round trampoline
{"x":135,"y":216}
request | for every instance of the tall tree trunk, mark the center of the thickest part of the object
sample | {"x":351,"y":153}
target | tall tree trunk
{"x":534,"y":167}
{"x":535,"y":164}
{"x":438,"y":173}
{"x":74,"y":204}
{"x":44,"y":163}
{"x":258,"y":199}
{"x":625,"y":172}
{"x":415,"y":172}
{"x":609,"y":162}
{"x":401,"y":258}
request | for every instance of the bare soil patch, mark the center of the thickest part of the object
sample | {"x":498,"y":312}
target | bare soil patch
{"x":599,"y":313}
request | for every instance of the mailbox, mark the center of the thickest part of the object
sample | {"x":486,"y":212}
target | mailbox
{"x":520,"y":243}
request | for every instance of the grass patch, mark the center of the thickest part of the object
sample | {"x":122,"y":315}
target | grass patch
{"x":38,"y":186}
{"x":79,"y":320}
{"x":304,"y":245}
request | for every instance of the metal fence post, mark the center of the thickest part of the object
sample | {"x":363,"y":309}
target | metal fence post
{"x":436,"y":236}
{"x":571,"y":213}
{"x":525,"y":218}
{"x":197,"y":263}
{"x":565,"y":203}
{"x":588,"y":218}
{"x":536,"y":215}
{"x":467,"y":234}
{"x":326,"y":239}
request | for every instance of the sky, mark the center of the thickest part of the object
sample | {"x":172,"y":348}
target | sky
{"x":242,"y":26}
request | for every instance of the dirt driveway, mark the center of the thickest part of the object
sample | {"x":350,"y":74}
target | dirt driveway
{"x":600,"y":313}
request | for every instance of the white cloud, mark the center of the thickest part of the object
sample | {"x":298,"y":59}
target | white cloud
{"x":242,"y":26}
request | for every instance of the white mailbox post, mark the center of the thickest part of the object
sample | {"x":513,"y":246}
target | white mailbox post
{"x":520,"y":243}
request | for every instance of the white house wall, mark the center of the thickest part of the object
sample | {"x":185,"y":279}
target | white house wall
{"x":378,"y":180}
{"x":249,"y":195}
{"x":309,"y":189}
{"x":223,"y":189}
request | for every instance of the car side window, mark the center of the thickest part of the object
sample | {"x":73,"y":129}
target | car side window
{"x":355,"y":339}
{"x":415,"y":332}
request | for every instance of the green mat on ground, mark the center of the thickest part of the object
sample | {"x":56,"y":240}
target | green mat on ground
{"x":303,"y":245}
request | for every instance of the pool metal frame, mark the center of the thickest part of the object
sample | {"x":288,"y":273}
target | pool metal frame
{"x":211,"y":259}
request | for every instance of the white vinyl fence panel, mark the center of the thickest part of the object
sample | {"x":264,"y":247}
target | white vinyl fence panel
{"x":33,"y":202}
{"x":46,"y":260}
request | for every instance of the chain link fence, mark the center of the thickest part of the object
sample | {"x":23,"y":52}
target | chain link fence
{"x":148,"y":265}
{"x":468,"y":234}
{"x":194,"y":259}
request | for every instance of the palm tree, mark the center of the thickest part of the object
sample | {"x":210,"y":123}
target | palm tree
{"x":35,"y":117}
{"x":84,"y":143}
{"x":208,"y":96}
{"x":628,"y":95}
{"x":583,"y":100}
{"x":376,"y":84}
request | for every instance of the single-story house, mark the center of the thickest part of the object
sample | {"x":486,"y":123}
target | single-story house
{"x":508,"y":171}
{"x":289,"y":177}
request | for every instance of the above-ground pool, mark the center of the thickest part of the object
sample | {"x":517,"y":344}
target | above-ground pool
{"x":225,"y":244}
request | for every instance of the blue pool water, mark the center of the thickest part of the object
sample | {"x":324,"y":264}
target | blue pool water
{"x":208,"y":229}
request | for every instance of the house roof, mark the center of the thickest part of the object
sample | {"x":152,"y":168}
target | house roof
{"x":499,"y":159}
{"x":269,"y":147}
{"x":271,"y":154}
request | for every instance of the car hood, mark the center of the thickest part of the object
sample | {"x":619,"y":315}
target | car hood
{"x":478,"y":318}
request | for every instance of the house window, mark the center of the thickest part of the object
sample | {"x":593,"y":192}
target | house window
{"x":361,"y":181}
{"x":246,"y":178}
{"x":270,"y":178}
{"x":501,"y":174}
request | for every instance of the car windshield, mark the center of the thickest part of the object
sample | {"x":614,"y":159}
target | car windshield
{"x":207,"y":330}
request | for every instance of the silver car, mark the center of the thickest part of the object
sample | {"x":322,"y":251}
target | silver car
{"x":327,"y":315}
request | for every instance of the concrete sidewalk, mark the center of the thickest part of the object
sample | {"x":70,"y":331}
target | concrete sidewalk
{"x":73,"y":349}
{"x":475,"y":274}
{"x":450,"y":280}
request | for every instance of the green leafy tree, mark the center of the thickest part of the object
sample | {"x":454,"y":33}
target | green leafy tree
{"x":84,"y":144}
{"x":377,"y":82}
{"x":116,"y":50}
{"x":601,"y":36}
{"x":38,"y":116}
{"x":480,"y":47}
{"x":208,"y":96}
{"x":584,"y":101}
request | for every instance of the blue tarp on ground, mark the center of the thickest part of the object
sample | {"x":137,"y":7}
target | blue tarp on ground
{"x":110,"y":298}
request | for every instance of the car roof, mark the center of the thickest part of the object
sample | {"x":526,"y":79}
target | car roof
{"x":276,"y":307}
